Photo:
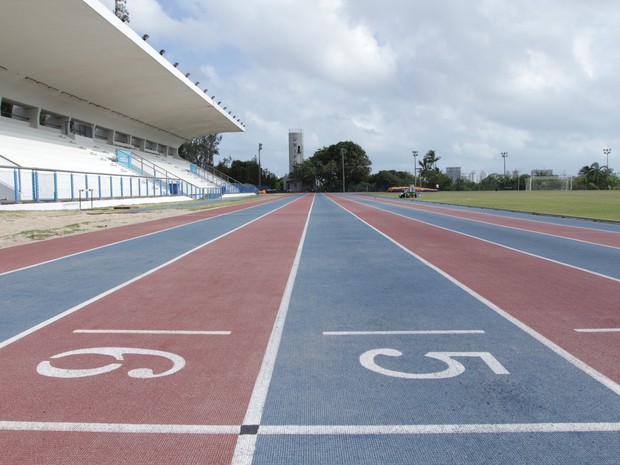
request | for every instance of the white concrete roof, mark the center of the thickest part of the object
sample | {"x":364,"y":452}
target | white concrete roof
{"x":81,"y":48}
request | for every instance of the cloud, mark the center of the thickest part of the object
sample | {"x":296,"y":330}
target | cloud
{"x":534,"y":78}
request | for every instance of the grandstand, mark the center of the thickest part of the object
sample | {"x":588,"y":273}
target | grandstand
{"x":88,"y":108}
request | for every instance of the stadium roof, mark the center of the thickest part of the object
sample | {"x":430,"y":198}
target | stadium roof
{"x":81,"y":48}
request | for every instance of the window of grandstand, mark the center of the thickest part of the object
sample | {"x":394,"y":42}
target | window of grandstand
{"x":137,"y":143}
{"x":102,"y":133}
{"x":51,"y":120}
{"x":121,"y":138}
{"x":81,"y":129}
{"x":6,"y":108}
{"x":15,"y":111}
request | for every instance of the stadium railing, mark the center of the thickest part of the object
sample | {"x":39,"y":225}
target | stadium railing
{"x":20,"y":184}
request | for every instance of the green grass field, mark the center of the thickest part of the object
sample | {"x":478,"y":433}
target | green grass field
{"x":600,"y":205}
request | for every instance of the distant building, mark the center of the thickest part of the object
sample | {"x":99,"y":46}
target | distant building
{"x":295,"y":148}
{"x":483,"y":174}
{"x":542,"y":173}
{"x":454,"y":172}
{"x":295,"y":157}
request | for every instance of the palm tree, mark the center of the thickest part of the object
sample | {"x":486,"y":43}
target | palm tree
{"x":592,"y":175}
{"x":428,"y":165}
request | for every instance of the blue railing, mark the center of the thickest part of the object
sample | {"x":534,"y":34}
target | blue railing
{"x":144,"y":167}
{"x":19,"y":184}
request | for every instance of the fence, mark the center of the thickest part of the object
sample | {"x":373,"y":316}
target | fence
{"x":19,"y":185}
{"x":221,"y":181}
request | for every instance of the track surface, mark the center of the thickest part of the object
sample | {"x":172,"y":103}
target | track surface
{"x":315,"y":329}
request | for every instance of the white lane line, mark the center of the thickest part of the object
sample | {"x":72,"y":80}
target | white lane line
{"x":574,"y":267}
{"x":305,"y":430}
{"x":246,"y":444}
{"x":519,"y":228}
{"x":127,"y":283}
{"x":117,"y":427}
{"x":127,"y":240}
{"x":598,"y":330}
{"x":152,"y":331}
{"x":598,"y":376}
{"x":403,"y":333}
{"x":439,"y":429}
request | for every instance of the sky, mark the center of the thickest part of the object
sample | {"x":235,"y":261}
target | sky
{"x":537,"y":79}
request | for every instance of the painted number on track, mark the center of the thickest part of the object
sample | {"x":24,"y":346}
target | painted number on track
{"x":47,"y":369}
{"x":455,"y":368}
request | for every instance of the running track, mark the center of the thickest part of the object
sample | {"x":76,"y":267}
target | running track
{"x":315,"y":329}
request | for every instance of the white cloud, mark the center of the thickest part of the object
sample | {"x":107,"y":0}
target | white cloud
{"x":538,"y":72}
{"x":471,"y":80}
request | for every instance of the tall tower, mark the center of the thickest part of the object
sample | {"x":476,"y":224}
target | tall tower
{"x":295,"y":148}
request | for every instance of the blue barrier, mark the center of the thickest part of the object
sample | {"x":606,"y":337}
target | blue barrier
{"x":19,"y":185}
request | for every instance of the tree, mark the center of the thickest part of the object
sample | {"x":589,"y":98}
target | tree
{"x":491,"y":183}
{"x":323,"y":170}
{"x":430,"y":174}
{"x":384,"y":179}
{"x":201,"y":150}
{"x":246,"y":172}
{"x":462,"y":184}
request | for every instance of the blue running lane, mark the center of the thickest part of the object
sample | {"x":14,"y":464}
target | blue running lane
{"x":325,"y":407}
{"x":68,"y":282}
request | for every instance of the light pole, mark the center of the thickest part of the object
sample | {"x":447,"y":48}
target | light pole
{"x":504,"y":155}
{"x":415,"y":168}
{"x":343,"y":151}
{"x":260,"y":147}
{"x":607,"y":152}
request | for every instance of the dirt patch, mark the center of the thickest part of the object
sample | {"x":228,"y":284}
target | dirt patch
{"x":19,"y":227}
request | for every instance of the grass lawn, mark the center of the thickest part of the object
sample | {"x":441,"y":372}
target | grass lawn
{"x":601,"y":205}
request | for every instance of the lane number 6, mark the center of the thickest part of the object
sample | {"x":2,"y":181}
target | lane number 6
{"x":47,"y":369}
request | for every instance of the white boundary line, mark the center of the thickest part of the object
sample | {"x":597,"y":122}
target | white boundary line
{"x":307,"y":430}
{"x":438,"y":429}
{"x":152,"y":331}
{"x":598,"y":330}
{"x":131,"y":238}
{"x":604,"y":380}
{"x":116,"y":427}
{"x":403,"y":333}
{"x":516,"y":228}
{"x":127,"y":283}
{"x":600,"y":275}
{"x":244,"y":451}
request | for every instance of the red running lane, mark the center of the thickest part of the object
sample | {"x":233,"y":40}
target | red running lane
{"x":46,"y":447}
{"x":595,"y":236}
{"x":20,"y":256}
{"x":551,"y":298}
{"x":233,"y":284}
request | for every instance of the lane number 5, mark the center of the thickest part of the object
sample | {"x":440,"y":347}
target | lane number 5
{"x":455,"y":368}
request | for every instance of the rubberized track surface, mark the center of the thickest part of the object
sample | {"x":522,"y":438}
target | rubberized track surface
{"x":315,"y":330}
